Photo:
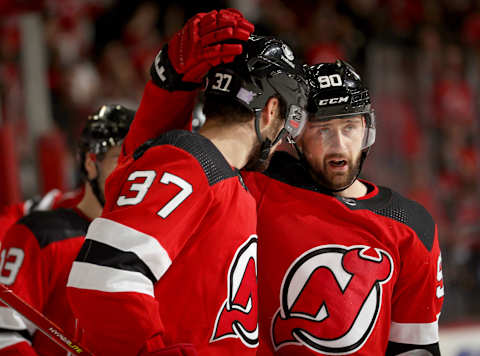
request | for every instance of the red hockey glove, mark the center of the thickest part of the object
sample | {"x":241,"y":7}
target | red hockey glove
{"x":173,"y":350}
{"x":199,"y":46}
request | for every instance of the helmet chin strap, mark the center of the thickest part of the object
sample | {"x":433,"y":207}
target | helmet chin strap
{"x":96,"y":187}
{"x":307,"y":165}
{"x":266,"y":144}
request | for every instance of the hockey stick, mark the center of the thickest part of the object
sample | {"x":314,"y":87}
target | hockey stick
{"x":45,"y":325}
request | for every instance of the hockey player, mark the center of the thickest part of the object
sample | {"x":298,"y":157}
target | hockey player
{"x":38,"y":251}
{"x":172,"y":261}
{"x":345,"y":266}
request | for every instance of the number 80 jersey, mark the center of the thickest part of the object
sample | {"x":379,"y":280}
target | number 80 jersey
{"x":173,"y":257}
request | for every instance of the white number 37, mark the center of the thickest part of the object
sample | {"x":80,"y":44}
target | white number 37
{"x":142,"y":189}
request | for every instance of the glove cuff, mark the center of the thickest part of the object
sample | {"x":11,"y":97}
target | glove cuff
{"x":164,"y":75}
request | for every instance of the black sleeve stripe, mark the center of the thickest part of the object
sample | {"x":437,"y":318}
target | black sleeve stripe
{"x":397,"y":349}
{"x":101,"y":254}
{"x":55,"y":225}
{"x":23,"y":333}
{"x":214,"y":165}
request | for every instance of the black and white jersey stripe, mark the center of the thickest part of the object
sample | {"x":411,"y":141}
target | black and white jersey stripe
{"x":118,"y":258}
{"x":14,"y":328}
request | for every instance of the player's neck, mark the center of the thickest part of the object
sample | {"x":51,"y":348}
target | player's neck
{"x":234,"y":141}
{"x":89,"y":204}
{"x":356,"y":190}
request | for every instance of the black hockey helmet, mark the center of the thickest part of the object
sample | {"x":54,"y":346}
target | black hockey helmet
{"x":103,"y":130}
{"x":266,"y":68}
{"x":336,"y":91}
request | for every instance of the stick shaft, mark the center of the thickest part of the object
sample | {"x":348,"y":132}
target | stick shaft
{"x":46,"y":326}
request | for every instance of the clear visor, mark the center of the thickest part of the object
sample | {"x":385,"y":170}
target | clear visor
{"x":370,"y":132}
{"x":355,"y":128}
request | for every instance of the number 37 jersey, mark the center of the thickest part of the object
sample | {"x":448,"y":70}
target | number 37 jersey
{"x":173,"y":257}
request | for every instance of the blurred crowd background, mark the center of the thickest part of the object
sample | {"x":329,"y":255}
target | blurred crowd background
{"x":420,"y":59}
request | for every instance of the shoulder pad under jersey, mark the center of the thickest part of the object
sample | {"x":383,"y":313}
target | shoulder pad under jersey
{"x":213,"y":163}
{"x":55,"y":225}
{"x":391,"y":204}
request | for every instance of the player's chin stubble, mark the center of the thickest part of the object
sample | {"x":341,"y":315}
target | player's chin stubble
{"x":335,"y":181}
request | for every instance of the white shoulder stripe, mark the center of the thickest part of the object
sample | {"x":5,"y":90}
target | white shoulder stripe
{"x":124,"y":238}
{"x":11,"y":338}
{"x":10,"y":319}
{"x":85,"y":275}
{"x":415,"y":334}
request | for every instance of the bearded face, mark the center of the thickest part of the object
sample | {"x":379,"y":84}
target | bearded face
{"x":333,"y":150}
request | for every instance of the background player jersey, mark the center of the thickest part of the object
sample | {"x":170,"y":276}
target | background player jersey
{"x":342,"y":276}
{"x":35,"y":259}
{"x":173,"y":255}
{"x":10,"y":214}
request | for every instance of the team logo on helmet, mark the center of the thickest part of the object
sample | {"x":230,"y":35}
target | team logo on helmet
{"x":288,"y":56}
{"x":237,"y":318}
{"x":287,"y":52}
{"x":331,"y":297}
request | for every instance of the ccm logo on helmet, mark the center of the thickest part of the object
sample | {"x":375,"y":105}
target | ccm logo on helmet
{"x":331,"y":297}
{"x":331,"y":101}
{"x":237,"y":318}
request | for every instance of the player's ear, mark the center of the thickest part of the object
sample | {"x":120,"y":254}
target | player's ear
{"x":90,"y":166}
{"x":270,"y":112}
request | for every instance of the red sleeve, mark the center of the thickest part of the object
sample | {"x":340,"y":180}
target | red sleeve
{"x":418,"y":294}
{"x":22,"y":348}
{"x":111,"y":286}
{"x":23,"y":270}
{"x":159,"y":111}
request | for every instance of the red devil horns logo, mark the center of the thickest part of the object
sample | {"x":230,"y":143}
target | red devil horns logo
{"x":331,"y":297}
{"x":237,"y":317}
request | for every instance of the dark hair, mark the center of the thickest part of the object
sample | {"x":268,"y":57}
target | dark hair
{"x":228,"y":110}
{"x":225,"y":109}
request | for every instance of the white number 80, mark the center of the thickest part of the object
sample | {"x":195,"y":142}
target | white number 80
{"x":333,"y":80}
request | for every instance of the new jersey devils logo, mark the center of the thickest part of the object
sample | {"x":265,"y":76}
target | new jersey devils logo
{"x":238,"y":315}
{"x":331,"y":297}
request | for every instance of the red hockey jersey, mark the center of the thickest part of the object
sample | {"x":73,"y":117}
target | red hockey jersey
{"x":54,"y":199}
{"x":35,"y":260}
{"x":343,"y":276}
{"x":173,"y":256}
